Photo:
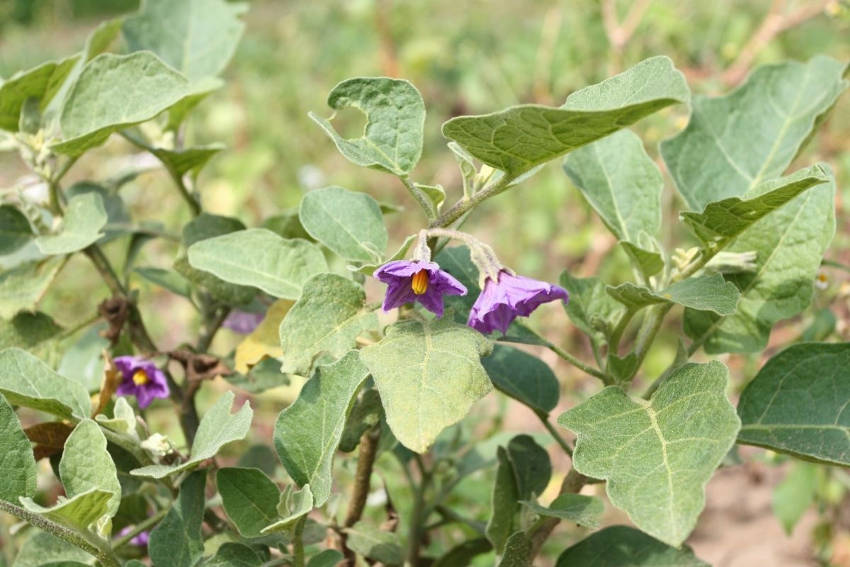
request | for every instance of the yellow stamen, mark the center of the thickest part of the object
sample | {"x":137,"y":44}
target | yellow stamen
{"x":419,"y":283}
{"x":140,"y":377}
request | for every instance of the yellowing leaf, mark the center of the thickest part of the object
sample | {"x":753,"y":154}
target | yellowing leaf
{"x":264,"y":341}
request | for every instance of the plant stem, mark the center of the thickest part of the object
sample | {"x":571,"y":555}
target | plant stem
{"x":89,"y":543}
{"x":606,"y":379}
{"x":194,"y":206}
{"x":139,"y":528}
{"x":417,"y":516}
{"x":212,"y":324}
{"x":573,"y":483}
{"x":298,"y":543}
{"x":617,"y":334}
{"x":465,"y":204}
{"x":365,"y":462}
{"x":450,"y":516}
{"x":647,"y":332}
{"x":421,"y":199}
{"x":554,"y":432}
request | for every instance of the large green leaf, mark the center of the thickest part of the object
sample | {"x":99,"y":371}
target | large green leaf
{"x":87,"y":465}
{"x":15,"y":229}
{"x":39,"y":82}
{"x":27,"y":381}
{"x":708,"y":292}
{"x":326,"y":319}
{"x":523,"y":377}
{"x":395,"y":114}
{"x":428,"y":374}
{"x":16,"y":458}
{"x":797,"y":403}
{"x":616,"y":546}
{"x":113,"y":92}
{"x":43,"y":548}
{"x":177,"y":540}
{"x":232,"y":554}
{"x":577,"y":508}
{"x":81,"y":224}
{"x":23,"y":286}
{"x":306,"y":450}
{"x":249,"y":499}
{"x":196,"y":37}
{"x":519,"y":138}
{"x":657,"y":456}
{"x":218,"y":427}
{"x":735,"y":142}
{"x":789,"y":245}
{"x":621,"y":183}
{"x":260,"y":258}
{"x":348,"y":222}
{"x":721,"y":221}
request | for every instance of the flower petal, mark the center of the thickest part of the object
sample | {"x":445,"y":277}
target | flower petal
{"x":432,"y":300}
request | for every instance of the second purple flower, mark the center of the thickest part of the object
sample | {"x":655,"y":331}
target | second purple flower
{"x":141,"y":378}
{"x":509,"y":297}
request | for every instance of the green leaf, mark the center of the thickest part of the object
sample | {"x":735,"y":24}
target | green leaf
{"x":169,"y":279}
{"x":523,"y":377}
{"x":348,"y":222}
{"x":577,"y":508}
{"x":258,"y":257}
{"x":81,"y":224}
{"x":735,"y":142}
{"x":116,"y":213}
{"x":140,"y":87}
{"x":307,"y":451}
{"x":177,"y":540}
{"x":530,"y":464}
{"x":519,"y":138}
{"x":518,"y":551}
{"x":504,"y":503}
{"x":232,"y":554}
{"x":789,"y":244}
{"x":650,"y":262}
{"x":621,"y":183}
{"x":326,"y":558}
{"x":721,"y":221}
{"x":249,"y":499}
{"x":188,"y":160}
{"x":708,"y":292}
{"x":616,"y":546}
{"x":15,"y":229}
{"x":218,"y":427}
{"x":27,"y":330}
{"x":82,"y":361}
{"x":78,"y":512}
{"x":375,"y":544}
{"x":23,"y":286}
{"x":591,"y":308}
{"x":18,"y":463}
{"x":795,"y":494}
{"x":327,"y":318}
{"x":86,"y":465}
{"x":27,"y":381}
{"x":797,"y":403}
{"x":43,"y":548}
{"x":432,"y":195}
{"x":395,"y":114}
{"x":123,"y":420}
{"x":196,"y":37}
{"x":293,"y":505}
{"x":429,"y":375}
{"x":39,"y":83}
{"x":287,"y":224}
{"x":664,"y":450}
{"x":366,"y":413}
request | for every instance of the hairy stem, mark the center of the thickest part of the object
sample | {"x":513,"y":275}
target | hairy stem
{"x":365,"y":462}
{"x":554,"y":432}
{"x":648,"y":330}
{"x":89,"y":543}
{"x":298,"y":543}
{"x":421,"y":199}
{"x":606,"y":379}
{"x":418,"y":517}
{"x":465,"y":204}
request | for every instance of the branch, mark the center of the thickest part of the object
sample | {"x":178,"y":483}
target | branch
{"x":573,"y":483}
{"x":775,"y":22}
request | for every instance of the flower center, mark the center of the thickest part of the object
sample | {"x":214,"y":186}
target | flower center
{"x":419,"y":282}
{"x":140,"y":377}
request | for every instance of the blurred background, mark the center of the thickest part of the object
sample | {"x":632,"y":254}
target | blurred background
{"x":467,"y":58}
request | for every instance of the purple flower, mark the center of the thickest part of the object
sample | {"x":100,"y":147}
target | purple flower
{"x":141,"y":539}
{"x":508,"y":297}
{"x":242,"y":322}
{"x":424,"y":282}
{"x":141,"y":378}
